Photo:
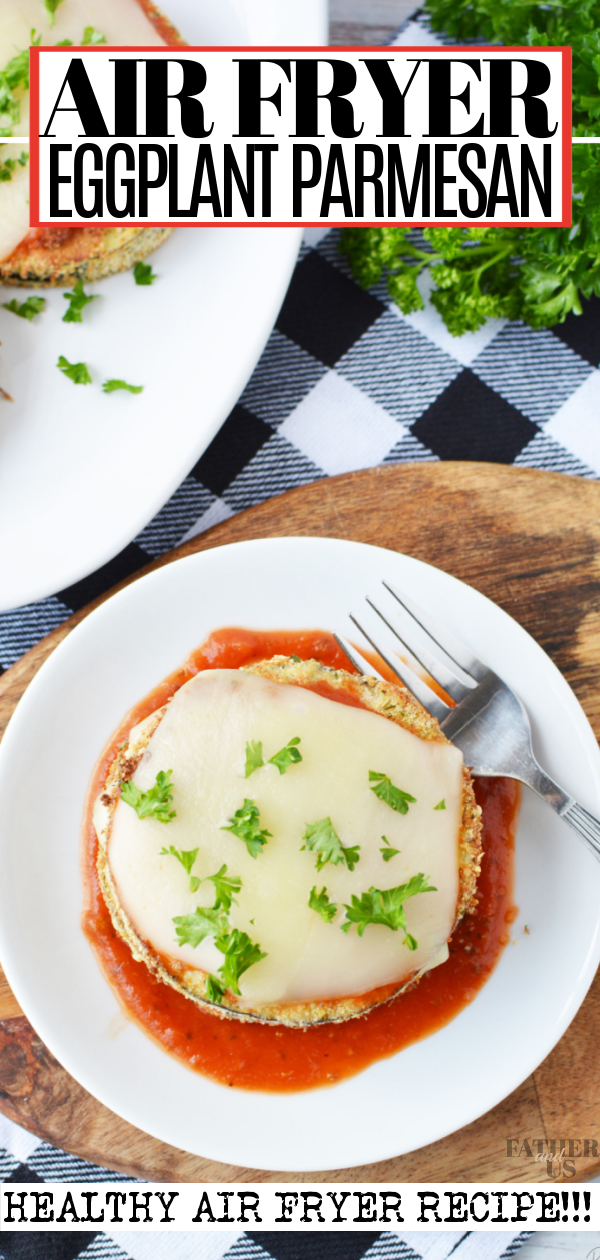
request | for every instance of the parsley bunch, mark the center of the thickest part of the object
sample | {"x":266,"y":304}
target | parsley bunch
{"x":539,"y":275}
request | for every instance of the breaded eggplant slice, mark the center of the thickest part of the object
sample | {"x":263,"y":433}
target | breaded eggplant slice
{"x":50,"y":257}
{"x":389,"y":700}
{"x":55,"y":256}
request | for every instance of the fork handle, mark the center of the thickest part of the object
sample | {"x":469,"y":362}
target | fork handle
{"x":584,"y":823}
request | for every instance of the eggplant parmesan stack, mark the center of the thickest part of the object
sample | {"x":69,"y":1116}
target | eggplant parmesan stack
{"x":288,"y":843}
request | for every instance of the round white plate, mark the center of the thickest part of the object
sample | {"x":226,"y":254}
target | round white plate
{"x":74,"y":703}
{"x":81,"y":472}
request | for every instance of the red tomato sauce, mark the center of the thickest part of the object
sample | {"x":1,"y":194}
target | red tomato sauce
{"x":265,"y":1057}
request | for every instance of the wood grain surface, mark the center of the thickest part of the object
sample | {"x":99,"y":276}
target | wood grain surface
{"x":530,"y":541}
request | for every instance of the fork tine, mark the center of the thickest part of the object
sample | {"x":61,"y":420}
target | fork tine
{"x":457,"y":652}
{"x":428,"y":698}
{"x":360,"y":662}
{"x":435,"y":667}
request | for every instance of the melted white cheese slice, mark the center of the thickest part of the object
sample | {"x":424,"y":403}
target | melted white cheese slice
{"x":120,"y":21}
{"x":202,"y":739}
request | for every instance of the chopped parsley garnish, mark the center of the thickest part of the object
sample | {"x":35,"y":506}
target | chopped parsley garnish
{"x":13,"y":78}
{"x":51,"y":6}
{"x":386,"y":907}
{"x":8,"y":166}
{"x":244,"y":825}
{"x":321,"y":903}
{"x":77,"y":299}
{"x":143,"y":273}
{"x":109,"y":387}
{"x":225,"y":886}
{"x":440,"y":805}
{"x":388,"y":853}
{"x":288,"y":756}
{"x":240,"y":954}
{"x":215,"y":991}
{"x":384,"y":789}
{"x":193,"y":928}
{"x":296,"y":659}
{"x":187,"y":857}
{"x":152,"y":804}
{"x":76,"y":372}
{"x":254,"y":757}
{"x":322,"y":839}
{"x":92,"y":36}
{"x":26,"y":310}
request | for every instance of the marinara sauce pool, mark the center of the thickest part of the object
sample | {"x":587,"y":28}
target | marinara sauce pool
{"x":279,"y":1059}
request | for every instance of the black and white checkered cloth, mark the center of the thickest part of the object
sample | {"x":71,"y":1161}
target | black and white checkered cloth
{"x":346,"y":382}
{"x":272,"y":1245}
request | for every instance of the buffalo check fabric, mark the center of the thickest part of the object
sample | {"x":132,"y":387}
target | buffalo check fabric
{"x":260,"y":1246}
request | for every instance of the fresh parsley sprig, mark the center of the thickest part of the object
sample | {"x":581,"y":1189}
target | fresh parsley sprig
{"x":187,"y":857}
{"x":26,"y":310}
{"x":321,"y":902}
{"x":542,"y":274}
{"x":441,"y":804}
{"x":192,"y":929}
{"x":78,"y":300}
{"x":244,"y":825}
{"x":91,"y":37}
{"x":254,"y":757}
{"x":385,"y":791}
{"x":239,"y":950}
{"x":286,"y":757}
{"x":14,"y":78}
{"x":388,"y":853}
{"x":155,"y":803}
{"x":51,"y":6}
{"x":322,"y":838}
{"x":109,"y":387}
{"x":385,"y":906}
{"x":225,"y":886}
{"x":9,"y":165}
{"x":240,"y":954}
{"x":143,"y":273}
{"x":215,"y":991}
{"x":78,"y":373}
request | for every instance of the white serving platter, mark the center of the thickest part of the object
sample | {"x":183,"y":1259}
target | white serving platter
{"x":81,"y":472}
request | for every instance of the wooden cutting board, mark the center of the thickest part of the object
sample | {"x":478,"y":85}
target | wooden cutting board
{"x":530,"y":541}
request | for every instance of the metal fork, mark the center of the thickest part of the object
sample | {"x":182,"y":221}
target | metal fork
{"x":488,"y":721}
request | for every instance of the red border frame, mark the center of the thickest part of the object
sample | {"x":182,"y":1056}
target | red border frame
{"x":34,"y":147}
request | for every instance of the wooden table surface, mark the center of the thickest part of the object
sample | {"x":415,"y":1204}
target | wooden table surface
{"x":530,"y":541}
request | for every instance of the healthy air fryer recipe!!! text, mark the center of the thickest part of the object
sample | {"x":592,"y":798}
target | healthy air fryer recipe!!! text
{"x":289,"y":873}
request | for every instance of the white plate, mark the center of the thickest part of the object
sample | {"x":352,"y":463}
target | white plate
{"x":81,"y":473}
{"x":74,"y":703}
